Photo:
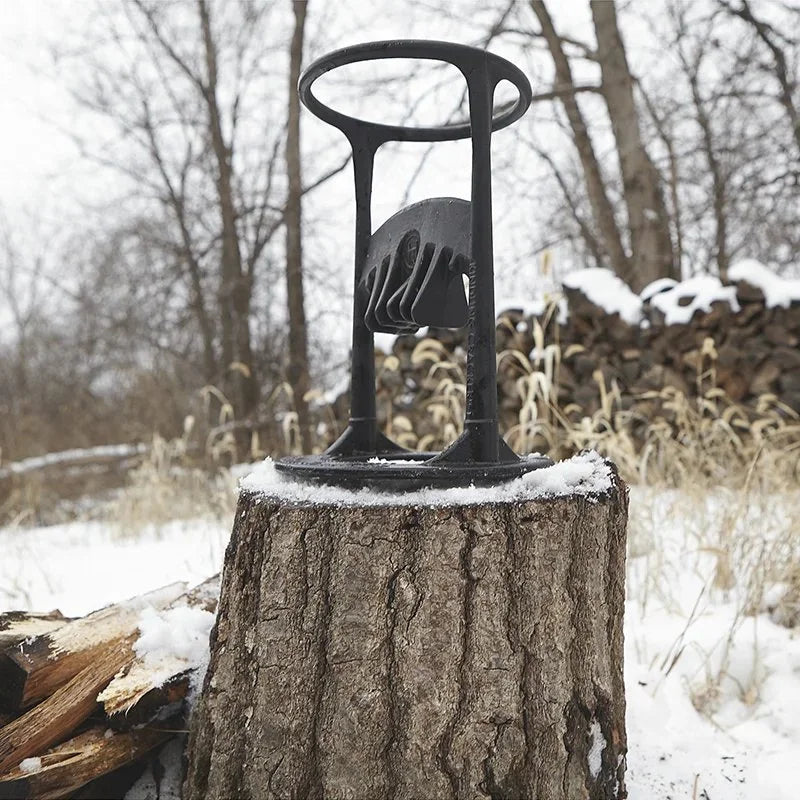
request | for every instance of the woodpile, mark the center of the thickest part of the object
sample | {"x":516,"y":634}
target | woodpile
{"x":80,"y":704}
{"x":745,"y":355}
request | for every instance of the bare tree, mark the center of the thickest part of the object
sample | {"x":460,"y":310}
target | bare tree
{"x":648,"y":220}
{"x":201,"y":111}
{"x":777,"y":44}
{"x":234,"y":285}
{"x":648,"y":231}
{"x":727,"y":136}
{"x":691,"y":64}
{"x":565,"y":89}
{"x":297,"y":372}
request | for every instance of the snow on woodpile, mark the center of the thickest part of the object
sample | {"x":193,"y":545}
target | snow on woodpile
{"x":656,"y":287}
{"x":679,"y":303}
{"x":604,"y":289}
{"x":172,"y":646}
{"x":777,"y":291}
{"x":171,"y":642}
{"x":110,"y":622}
{"x":587,"y":474}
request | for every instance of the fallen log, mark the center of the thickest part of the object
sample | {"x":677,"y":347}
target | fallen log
{"x":36,"y":667}
{"x":101,"y":456}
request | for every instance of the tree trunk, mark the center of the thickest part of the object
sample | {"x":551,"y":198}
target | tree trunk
{"x":651,"y":243}
{"x":297,"y":372}
{"x":602,"y":209}
{"x":235,"y":288}
{"x":410,"y":651}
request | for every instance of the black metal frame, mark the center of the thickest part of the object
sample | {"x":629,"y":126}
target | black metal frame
{"x":394,"y":301}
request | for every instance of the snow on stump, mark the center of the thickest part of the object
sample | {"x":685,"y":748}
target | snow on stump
{"x":445,"y":643}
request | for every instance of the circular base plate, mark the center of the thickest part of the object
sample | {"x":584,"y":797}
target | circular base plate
{"x":404,"y":471}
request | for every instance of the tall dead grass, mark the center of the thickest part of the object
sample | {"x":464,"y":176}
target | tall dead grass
{"x":166,"y":486}
{"x":659,"y":438}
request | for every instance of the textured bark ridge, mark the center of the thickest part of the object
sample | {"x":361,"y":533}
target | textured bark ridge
{"x":417,"y":652}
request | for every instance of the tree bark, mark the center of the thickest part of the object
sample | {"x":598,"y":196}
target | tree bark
{"x":648,"y":220}
{"x":297,"y":372}
{"x":417,"y":651}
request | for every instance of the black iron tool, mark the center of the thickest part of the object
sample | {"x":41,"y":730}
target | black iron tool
{"x":410,"y":273}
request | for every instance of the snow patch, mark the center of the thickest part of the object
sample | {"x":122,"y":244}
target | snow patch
{"x":656,"y":287}
{"x":597,"y":744}
{"x":603,"y":288}
{"x":79,"y":567}
{"x":585,"y":474}
{"x":173,"y":636}
{"x":30,"y":765}
{"x":171,"y":642}
{"x":181,"y":632}
{"x":698,"y":294}
{"x":777,"y":291}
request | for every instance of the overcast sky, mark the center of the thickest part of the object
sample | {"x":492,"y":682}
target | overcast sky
{"x":32,"y":106}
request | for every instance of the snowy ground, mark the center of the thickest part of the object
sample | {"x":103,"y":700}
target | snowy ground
{"x":686,"y":639}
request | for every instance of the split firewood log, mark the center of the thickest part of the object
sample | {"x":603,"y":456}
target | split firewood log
{"x":16,"y":626}
{"x":98,"y":659}
{"x":64,"y":769}
{"x":38,"y":666}
{"x":150,"y":685}
{"x":52,"y":720}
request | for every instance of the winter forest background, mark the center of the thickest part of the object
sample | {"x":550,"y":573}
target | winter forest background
{"x":175,"y":298}
{"x":145,"y":184}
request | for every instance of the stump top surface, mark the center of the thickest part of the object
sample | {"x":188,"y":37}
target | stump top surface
{"x":587,"y":474}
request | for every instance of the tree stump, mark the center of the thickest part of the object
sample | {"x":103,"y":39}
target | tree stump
{"x":408,"y":649}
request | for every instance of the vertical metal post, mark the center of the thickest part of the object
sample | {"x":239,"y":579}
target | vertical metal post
{"x":362,"y":380}
{"x":480,"y":425}
{"x":362,"y":433}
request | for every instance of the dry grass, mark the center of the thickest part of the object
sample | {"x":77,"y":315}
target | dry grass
{"x":166,"y":487}
{"x":656,"y":438}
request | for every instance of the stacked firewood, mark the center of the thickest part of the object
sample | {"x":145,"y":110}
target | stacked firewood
{"x":82,"y":703}
{"x":743,"y":350}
